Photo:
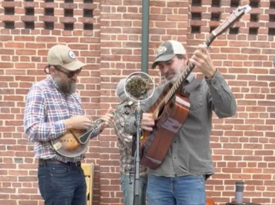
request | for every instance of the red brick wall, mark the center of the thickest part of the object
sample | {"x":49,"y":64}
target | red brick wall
{"x":242,"y":145}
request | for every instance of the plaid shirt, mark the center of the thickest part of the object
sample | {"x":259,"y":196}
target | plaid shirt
{"x":45,"y":112}
{"x":125,"y":142}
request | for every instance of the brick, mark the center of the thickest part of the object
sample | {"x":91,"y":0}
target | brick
{"x":9,"y":18}
{"x":28,"y":18}
{"x":11,"y":4}
{"x":67,"y":19}
{"x":48,"y":18}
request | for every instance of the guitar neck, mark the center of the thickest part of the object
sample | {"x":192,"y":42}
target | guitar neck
{"x":86,"y":136}
{"x":119,"y":109}
{"x":185,"y":74}
{"x":95,"y":124}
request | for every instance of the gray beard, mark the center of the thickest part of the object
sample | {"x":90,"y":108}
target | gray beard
{"x":177,"y":75}
{"x":67,"y":88}
{"x":174,"y":79}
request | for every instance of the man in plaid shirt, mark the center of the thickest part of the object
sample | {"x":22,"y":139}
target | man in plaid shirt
{"x":127,"y":165}
{"x":52,"y":108}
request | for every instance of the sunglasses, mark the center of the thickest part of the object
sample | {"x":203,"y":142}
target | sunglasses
{"x":69,"y":74}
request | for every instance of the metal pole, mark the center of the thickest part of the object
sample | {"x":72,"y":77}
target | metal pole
{"x":145,"y":36}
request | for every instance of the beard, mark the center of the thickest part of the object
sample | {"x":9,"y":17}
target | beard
{"x":174,"y":78}
{"x":67,"y":87}
{"x":176,"y":74}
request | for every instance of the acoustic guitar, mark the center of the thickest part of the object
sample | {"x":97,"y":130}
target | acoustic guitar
{"x":171,"y":109}
{"x":75,"y":142}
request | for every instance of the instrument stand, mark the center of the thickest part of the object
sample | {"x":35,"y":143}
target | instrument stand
{"x":138,"y":115}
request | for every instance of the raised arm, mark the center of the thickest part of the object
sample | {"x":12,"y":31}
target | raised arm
{"x":221,"y":97}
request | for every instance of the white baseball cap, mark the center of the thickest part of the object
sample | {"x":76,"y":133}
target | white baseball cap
{"x":168,"y":50}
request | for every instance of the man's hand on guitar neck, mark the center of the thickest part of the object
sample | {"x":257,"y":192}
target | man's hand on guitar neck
{"x":79,"y":122}
{"x":147,"y":122}
{"x":202,"y":60}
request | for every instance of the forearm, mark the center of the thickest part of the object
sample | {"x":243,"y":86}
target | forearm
{"x":44,"y":132}
{"x":221,"y":97}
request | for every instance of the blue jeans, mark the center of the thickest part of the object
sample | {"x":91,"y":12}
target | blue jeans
{"x":183,"y":190}
{"x":127,"y":185}
{"x":62,"y":184}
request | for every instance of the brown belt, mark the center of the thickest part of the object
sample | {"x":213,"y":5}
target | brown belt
{"x":54,"y":161}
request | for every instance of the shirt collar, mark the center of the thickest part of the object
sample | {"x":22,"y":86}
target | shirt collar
{"x":191,"y":77}
{"x":51,"y":81}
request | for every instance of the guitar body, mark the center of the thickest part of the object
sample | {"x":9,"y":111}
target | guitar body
{"x":169,"y":119}
{"x":67,"y":145}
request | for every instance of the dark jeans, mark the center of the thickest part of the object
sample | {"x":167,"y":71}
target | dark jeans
{"x":62,"y":184}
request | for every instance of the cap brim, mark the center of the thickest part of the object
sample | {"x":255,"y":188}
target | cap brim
{"x":162,"y":58}
{"x":73,"y":66}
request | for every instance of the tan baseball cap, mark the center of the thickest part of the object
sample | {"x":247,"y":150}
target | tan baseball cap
{"x":63,"y":56}
{"x":168,"y":50}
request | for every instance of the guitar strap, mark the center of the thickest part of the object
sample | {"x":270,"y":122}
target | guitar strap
{"x":191,"y":86}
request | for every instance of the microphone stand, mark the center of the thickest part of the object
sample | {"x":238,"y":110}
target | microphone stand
{"x":138,"y":115}
{"x":136,"y":87}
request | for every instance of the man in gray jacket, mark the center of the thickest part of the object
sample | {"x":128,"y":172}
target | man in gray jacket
{"x":180,"y":178}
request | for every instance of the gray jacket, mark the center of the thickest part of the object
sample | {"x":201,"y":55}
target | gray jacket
{"x":190,"y":151}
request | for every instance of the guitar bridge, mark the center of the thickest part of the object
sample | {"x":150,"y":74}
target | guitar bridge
{"x":57,"y":145}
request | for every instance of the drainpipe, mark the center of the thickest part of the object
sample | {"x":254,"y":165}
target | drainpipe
{"x":145,"y":36}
